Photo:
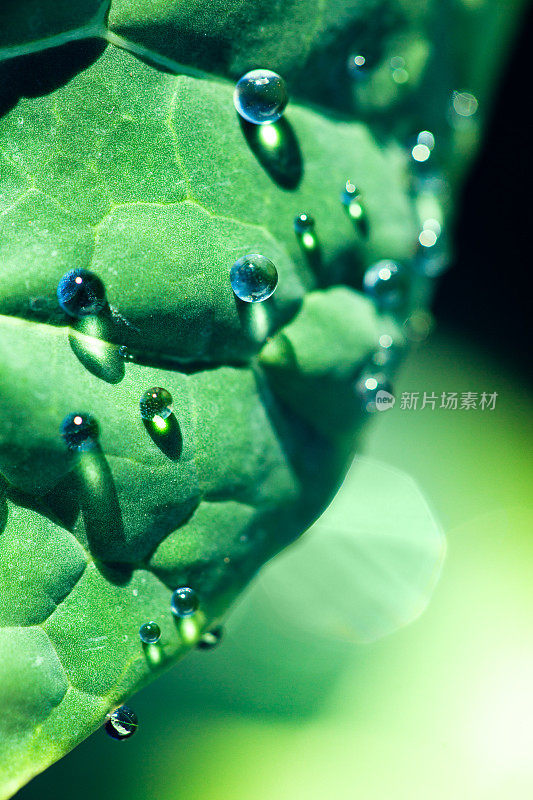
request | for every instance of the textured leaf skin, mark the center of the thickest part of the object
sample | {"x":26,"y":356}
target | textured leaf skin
{"x":110,"y":161}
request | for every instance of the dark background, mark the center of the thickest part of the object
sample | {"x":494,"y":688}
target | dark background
{"x":487,"y":295}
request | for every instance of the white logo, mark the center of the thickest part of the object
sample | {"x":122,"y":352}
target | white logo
{"x":384,"y":400}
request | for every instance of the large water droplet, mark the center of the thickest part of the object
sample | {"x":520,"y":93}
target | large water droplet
{"x":150,"y":633}
{"x":211,"y":639}
{"x":81,"y":293}
{"x":386,"y":283}
{"x":156,"y":402}
{"x":79,"y":431}
{"x":254,"y":278}
{"x":261,"y":96}
{"x":374,"y":391}
{"x":184,"y":602}
{"x":121,"y":723}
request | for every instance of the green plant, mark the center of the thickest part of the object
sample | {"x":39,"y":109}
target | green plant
{"x":129,"y":160}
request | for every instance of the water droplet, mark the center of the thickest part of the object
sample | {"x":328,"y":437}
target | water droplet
{"x":150,"y":633}
{"x":156,"y":402}
{"x":261,"y":96}
{"x":184,"y":602}
{"x":211,"y":639}
{"x":125,"y":353}
{"x":423,"y":147}
{"x":375,"y":391}
{"x":81,"y":293}
{"x":121,"y":723}
{"x":433,"y":257}
{"x":386,"y":283}
{"x":352,"y":200}
{"x":386,"y":357}
{"x":464,"y":103}
{"x":358,"y":67}
{"x":254,"y":278}
{"x":304,"y":227}
{"x":79,"y":431}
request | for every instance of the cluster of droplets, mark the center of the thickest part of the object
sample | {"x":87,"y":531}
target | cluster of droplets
{"x":260,"y":98}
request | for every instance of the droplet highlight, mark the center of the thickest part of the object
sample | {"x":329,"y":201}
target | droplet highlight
{"x":352,"y":200}
{"x":156,"y":404}
{"x":374,"y":391}
{"x":211,"y":639}
{"x":385,"y":282}
{"x":254,"y":278}
{"x":150,"y":633}
{"x":79,"y":431}
{"x":358,"y":67}
{"x":184,"y":602}
{"x":261,"y":96}
{"x":304,"y":227}
{"x":121,"y":723}
{"x":81,"y":293}
{"x":423,"y":147}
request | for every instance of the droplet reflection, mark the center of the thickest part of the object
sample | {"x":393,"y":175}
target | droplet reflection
{"x":261,"y":97}
{"x":253,"y":278}
{"x":121,"y":723}
{"x":184,"y":602}
{"x":80,"y":293}
{"x":79,"y":431}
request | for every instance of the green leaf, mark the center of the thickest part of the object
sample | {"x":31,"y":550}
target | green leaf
{"x":120,"y":152}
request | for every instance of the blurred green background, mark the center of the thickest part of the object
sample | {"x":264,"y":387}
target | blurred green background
{"x":439,"y":709}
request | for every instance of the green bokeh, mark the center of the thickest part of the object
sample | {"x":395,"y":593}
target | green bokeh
{"x":440,"y":709}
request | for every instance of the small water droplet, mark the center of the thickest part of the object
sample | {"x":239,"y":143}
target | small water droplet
{"x":399,"y":72}
{"x":121,"y":723}
{"x":184,"y":602}
{"x":304,"y":227}
{"x":125,"y":353}
{"x":352,"y":200}
{"x":150,"y":633}
{"x":156,"y":402}
{"x":261,"y":96}
{"x":81,"y":293}
{"x":374,"y":391}
{"x":211,"y":639}
{"x":254,"y":278}
{"x":423,"y":147}
{"x":79,"y":431}
{"x":386,"y":283}
{"x":358,"y":67}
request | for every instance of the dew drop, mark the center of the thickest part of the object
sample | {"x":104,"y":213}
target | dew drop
{"x":150,"y":633}
{"x":125,"y":353}
{"x":386,"y":283}
{"x":374,"y":391}
{"x":261,"y":96}
{"x":81,"y":293}
{"x":304,"y":227}
{"x":254,"y":278}
{"x":79,"y":431}
{"x":358,"y":68}
{"x":156,"y":402}
{"x":211,"y":639}
{"x":121,"y":723}
{"x":423,"y":147}
{"x":184,"y":602}
{"x":352,"y":200}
